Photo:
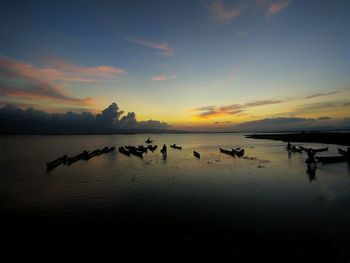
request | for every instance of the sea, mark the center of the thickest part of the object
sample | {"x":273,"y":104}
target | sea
{"x":264,"y":204}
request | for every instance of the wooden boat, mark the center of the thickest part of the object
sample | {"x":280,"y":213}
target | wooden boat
{"x":176,"y":147}
{"x":294,"y":149}
{"x":124,"y":151}
{"x":239,"y":152}
{"x":196,"y":154}
{"x":78,"y":157}
{"x":148,"y":140}
{"x":227,"y":152}
{"x":137,"y":153}
{"x":53,"y":164}
{"x":111,"y":149}
{"x":343,"y":152}
{"x":152,"y":148}
{"x":314,"y":150}
{"x":92,"y":154}
{"x":104,"y":150}
{"x":332,"y":159}
{"x":141,"y":148}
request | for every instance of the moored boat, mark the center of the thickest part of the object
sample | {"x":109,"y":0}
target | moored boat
{"x":152,"y":148}
{"x":148,"y":140}
{"x":124,"y":151}
{"x":53,"y":164}
{"x":78,"y":157}
{"x":227,"y":152}
{"x":239,"y":152}
{"x":174,"y":146}
{"x":343,"y":152}
{"x":111,"y":149}
{"x":196,"y":154}
{"x":92,"y":154}
{"x":314,"y":150}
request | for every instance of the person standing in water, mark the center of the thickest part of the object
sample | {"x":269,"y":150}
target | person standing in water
{"x":164,"y":151}
{"x":311,"y":157}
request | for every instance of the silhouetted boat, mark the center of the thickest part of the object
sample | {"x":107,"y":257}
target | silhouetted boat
{"x":239,"y":152}
{"x":92,"y":154}
{"x":176,"y":147}
{"x":104,"y":150}
{"x":148,"y":140}
{"x":78,"y":157}
{"x":136,"y":152}
{"x":294,"y":149}
{"x":332,"y":159}
{"x":152,"y":148}
{"x":53,"y":164}
{"x":111,"y":149}
{"x":343,"y":152}
{"x":315,"y":150}
{"x":124,"y":151}
{"x":141,"y":148}
{"x":227,"y":152}
{"x":196,"y":154}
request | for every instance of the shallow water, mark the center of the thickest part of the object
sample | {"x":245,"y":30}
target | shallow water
{"x":267,"y":190}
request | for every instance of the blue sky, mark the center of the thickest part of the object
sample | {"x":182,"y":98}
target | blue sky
{"x":168,"y":60}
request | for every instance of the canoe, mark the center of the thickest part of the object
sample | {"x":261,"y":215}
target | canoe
{"x":141,"y":148}
{"x":293,"y":149}
{"x":342,"y":152}
{"x":111,"y":149}
{"x":124,"y":151}
{"x":148,"y":140}
{"x":176,"y":147}
{"x":104,"y":150}
{"x":227,"y":152}
{"x":78,"y":157}
{"x":53,"y":164}
{"x":332,"y":159}
{"x":137,"y":153}
{"x":152,"y":148}
{"x":196,"y":154}
{"x":239,"y":152}
{"x":315,"y":150}
{"x":92,"y":154}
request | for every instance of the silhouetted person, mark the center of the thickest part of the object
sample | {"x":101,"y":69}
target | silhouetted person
{"x":311,"y":157}
{"x":288,"y":145}
{"x":164,"y":151}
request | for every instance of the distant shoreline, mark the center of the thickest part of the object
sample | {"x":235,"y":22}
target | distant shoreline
{"x":340,"y":138}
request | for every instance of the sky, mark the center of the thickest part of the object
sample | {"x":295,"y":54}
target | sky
{"x":195,"y":65}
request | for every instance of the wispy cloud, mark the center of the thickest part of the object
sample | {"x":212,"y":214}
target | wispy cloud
{"x":162,"y":46}
{"x":315,"y":95}
{"x":222,"y":13}
{"x":233,"y":109}
{"x":276,"y":7}
{"x":163,"y":77}
{"x":18,"y":79}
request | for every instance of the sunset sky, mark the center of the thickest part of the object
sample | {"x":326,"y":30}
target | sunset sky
{"x":197,"y":64}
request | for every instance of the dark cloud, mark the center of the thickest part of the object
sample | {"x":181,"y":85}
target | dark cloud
{"x":233,"y":109}
{"x":285,"y":124}
{"x":321,"y":94}
{"x":14,"y":120}
{"x":324,"y":118}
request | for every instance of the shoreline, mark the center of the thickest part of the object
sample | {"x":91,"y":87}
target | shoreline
{"x":339,"y":138}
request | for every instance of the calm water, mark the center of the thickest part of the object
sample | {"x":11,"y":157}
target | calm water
{"x":269,"y":191}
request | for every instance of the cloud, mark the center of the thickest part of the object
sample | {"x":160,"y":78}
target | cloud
{"x":162,"y":46}
{"x":324,"y":118}
{"x":18,"y":80}
{"x":315,"y":95}
{"x":222,"y":122}
{"x":276,"y":7}
{"x":58,"y":69}
{"x":233,"y":109}
{"x":14,"y":120}
{"x":283,"y":124}
{"x":163,"y":77}
{"x":221,"y":13}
